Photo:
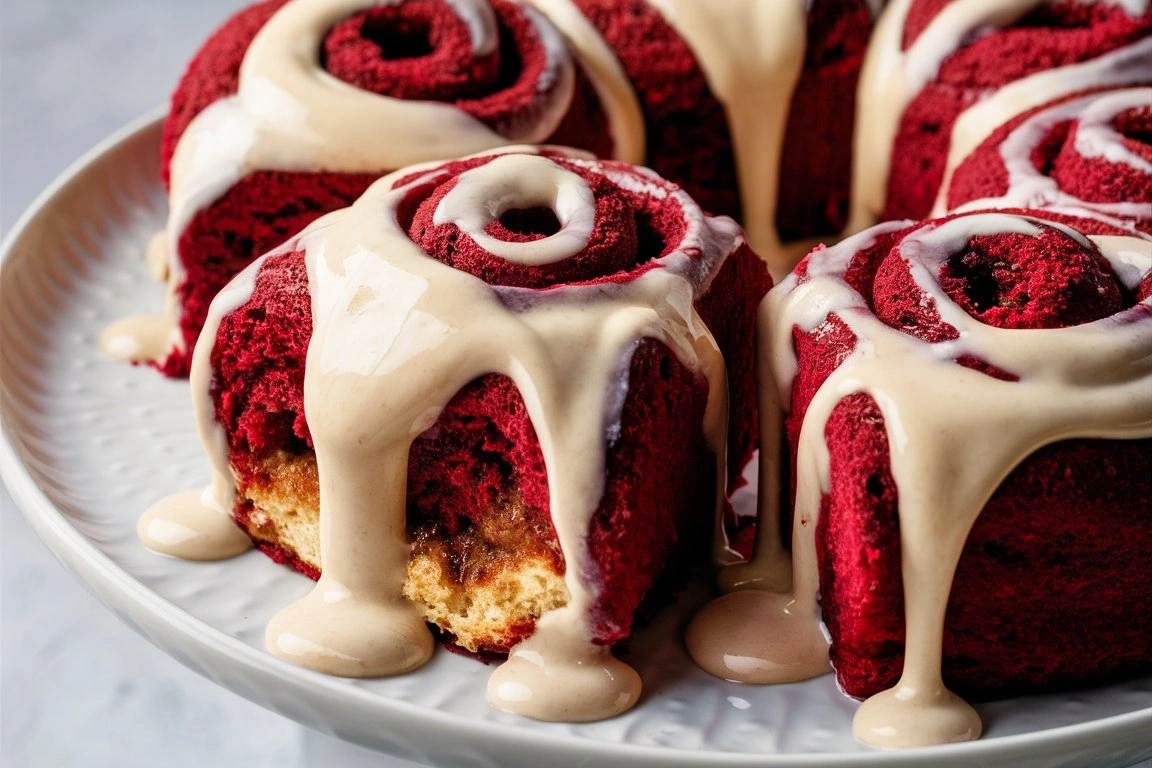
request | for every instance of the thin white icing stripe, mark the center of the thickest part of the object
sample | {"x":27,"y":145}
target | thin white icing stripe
{"x":1129,"y":65}
{"x":1096,"y":136}
{"x":1028,"y":188}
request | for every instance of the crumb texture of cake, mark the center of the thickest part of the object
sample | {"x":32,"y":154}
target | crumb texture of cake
{"x":969,"y":414}
{"x":261,"y":141}
{"x":492,"y":395}
{"x":940,"y":77}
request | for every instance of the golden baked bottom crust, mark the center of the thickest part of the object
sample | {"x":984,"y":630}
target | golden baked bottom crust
{"x":485,"y":586}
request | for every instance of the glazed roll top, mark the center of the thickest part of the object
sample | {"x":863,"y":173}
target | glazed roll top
{"x":291,"y":110}
{"x":604,"y":228}
{"x":941,"y":76}
{"x":1083,"y":155}
{"x":499,"y":62}
{"x":514,"y":363}
{"x":971,"y":403}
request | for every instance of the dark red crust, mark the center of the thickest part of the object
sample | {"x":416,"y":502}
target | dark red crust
{"x":257,"y":214}
{"x":656,"y":512}
{"x":1038,"y":601}
{"x":1051,"y":36}
{"x":982,"y":174}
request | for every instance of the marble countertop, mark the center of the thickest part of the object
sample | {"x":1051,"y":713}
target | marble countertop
{"x":79,"y":688}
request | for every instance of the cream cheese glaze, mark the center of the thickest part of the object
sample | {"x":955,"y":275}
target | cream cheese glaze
{"x":1095,"y":137}
{"x":751,"y":53}
{"x":891,"y":78}
{"x":617,"y":96}
{"x":1092,"y":380}
{"x":197,"y":525}
{"x":396,"y":334}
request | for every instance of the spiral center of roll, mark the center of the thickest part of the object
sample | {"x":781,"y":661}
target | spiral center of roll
{"x":1014,"y":272}
{"x":548,"y":211}
{"x":1136,"y":124}
{"x":399,"y":40}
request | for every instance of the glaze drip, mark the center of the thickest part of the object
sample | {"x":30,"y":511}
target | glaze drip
{"x":199,"y":523}
{"x":618,"y":97}
{"x":396,"y":334}
{"x":1092,"y":380}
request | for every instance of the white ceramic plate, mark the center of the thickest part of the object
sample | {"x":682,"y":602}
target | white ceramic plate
{"x":88,"y":444}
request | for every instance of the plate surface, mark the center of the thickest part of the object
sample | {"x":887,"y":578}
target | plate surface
{"x":88,"y":444}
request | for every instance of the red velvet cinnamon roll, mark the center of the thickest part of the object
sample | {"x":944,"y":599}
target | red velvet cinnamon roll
{"x":491,"y":395}
{"x":969,"y":412}
{"x":941,"y":75}
{"x":1088,"y":155}
{"x":291,"y":109}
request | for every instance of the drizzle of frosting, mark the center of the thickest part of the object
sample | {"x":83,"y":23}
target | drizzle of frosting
{"x":156,"y":256}
{"x":186,"y":526}
{"x":484,"y":194}
{"x":139,"y":338}
{"x":891,"y":78}
{"x":617,"y":96}
{"x":1092,"y":380}
{"x":1095,"y":137}
{"x":396,"y":335}
{"x":144,"y":338}
{"x":752,"y":53}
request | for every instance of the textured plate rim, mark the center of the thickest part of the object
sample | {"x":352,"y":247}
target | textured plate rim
{"x":142,"y":608}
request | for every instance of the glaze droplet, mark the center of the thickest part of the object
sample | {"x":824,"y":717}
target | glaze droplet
{"x":756,"y":636}
{"x":184,"y":526}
